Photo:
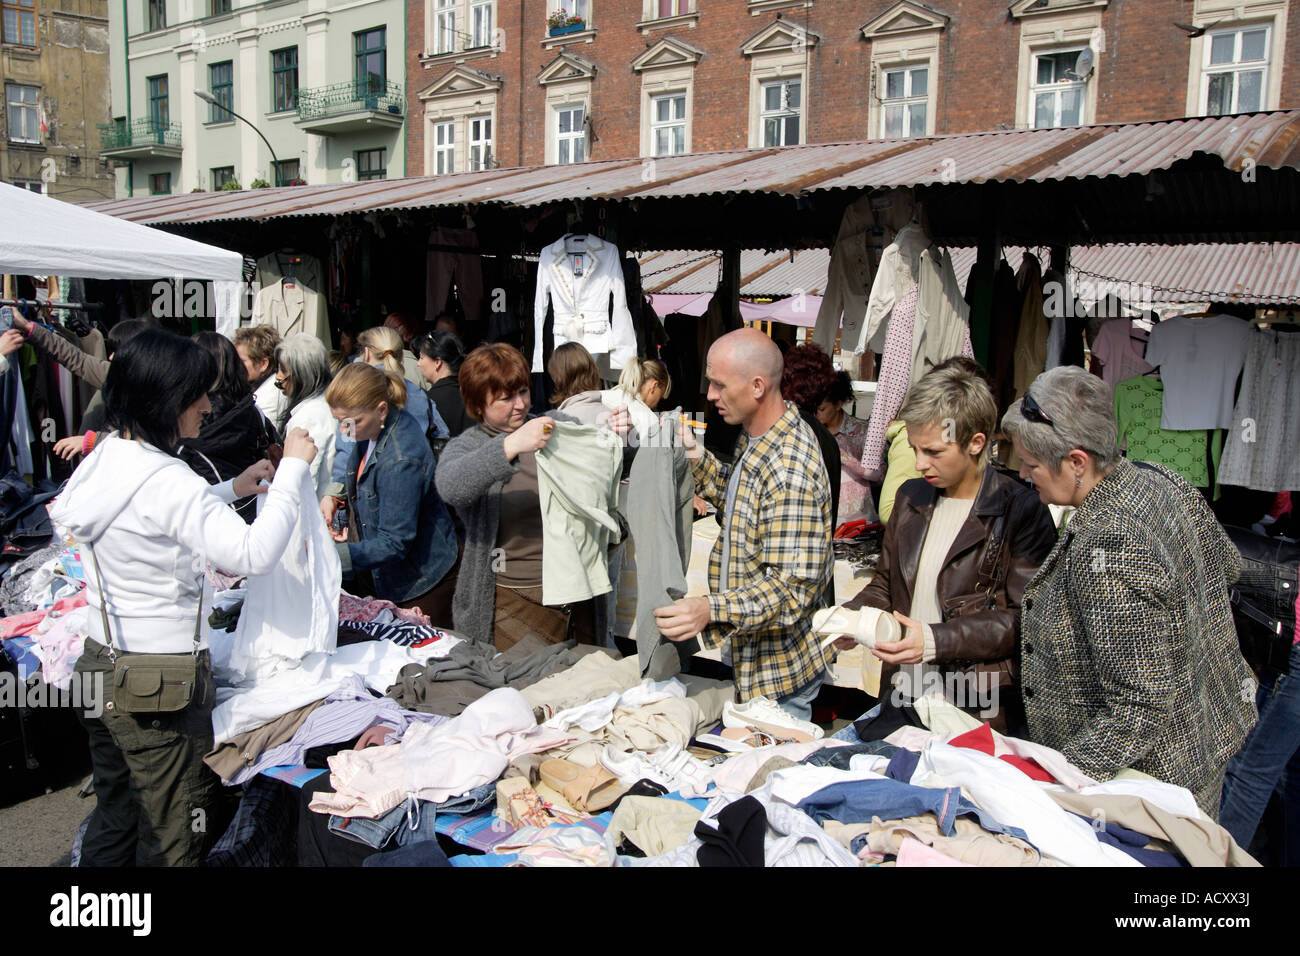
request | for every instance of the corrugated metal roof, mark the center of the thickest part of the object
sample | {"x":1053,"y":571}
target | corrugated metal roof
{"x":1143,"y":274}
{"x":1253,"y":273}
{"x":1265,"y":139}
{"x":762,"y":274}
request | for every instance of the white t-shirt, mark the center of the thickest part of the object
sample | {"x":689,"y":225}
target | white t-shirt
{"x":1200,"y":361}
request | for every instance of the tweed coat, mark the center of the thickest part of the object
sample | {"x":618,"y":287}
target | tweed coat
{"x":1129,"y":656}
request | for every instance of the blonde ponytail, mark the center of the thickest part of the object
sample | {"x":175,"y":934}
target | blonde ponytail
{"x":386,"y":345}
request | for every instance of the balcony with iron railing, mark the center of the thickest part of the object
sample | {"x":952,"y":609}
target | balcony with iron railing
{"x":141,"y":139}
{"x":351,"y":107}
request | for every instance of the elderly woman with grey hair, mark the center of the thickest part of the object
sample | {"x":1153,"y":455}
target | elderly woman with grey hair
{"x":1129,"y":656}
{"x":302,"y":373}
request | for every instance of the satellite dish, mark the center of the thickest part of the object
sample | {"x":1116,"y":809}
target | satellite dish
{"x":1083,"y":65}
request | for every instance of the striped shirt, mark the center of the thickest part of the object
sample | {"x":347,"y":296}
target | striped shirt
{"x":777,"y":538}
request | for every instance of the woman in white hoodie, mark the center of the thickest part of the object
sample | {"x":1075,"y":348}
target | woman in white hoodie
{"x":148,"y":526}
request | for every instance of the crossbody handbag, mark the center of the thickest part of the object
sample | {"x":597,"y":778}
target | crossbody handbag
{"x":149,"y":683}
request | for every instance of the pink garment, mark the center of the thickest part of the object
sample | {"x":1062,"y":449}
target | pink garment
{"x":915,"y":853}
{"x":1120,"y":346}
{"x":59,"y":642}
{"x":364,"y":609}
{"x":439,"y":762}
{"x":891,"y":388}
{"x":26,"y":623}
{"x":855,"y":495}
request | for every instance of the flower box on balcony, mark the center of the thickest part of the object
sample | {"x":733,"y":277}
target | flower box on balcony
{"x":569,"y":28}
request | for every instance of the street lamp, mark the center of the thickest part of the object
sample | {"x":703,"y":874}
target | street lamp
{"x":208,"y":98}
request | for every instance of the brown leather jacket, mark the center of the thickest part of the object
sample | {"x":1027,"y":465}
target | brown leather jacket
{"x":982,"y":581}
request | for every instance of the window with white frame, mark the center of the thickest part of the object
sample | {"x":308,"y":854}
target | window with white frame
{"x":444,"y":26}
{"x":904,"y":101}
{"x":781,"y":111}
{"x":480,"y":142}
{"x":575,"y":10}
{"x":480,"y":23}
{"x":1235,"y":73}
{"x":24,"y":116}
{"x":444,"y":147}
{"x":672,"y":8}
{"x":570,"y":134}
{"x":668,"y":125}
{"x":1057,"y":93}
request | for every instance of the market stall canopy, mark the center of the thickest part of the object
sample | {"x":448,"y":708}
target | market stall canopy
{"x":44,"y":236}
{"x":1200,"y":179}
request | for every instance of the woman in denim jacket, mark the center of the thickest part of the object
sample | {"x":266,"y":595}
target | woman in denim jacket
{"x":407,"y":541}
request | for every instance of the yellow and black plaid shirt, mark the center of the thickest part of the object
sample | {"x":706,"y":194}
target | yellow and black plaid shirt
{"x":779,"y":558}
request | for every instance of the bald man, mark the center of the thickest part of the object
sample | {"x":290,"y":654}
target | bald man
{"x":772,"y":561}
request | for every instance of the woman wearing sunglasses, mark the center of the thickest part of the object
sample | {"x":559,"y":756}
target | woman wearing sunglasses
{"x":1129,"y":656}
{"x":959,"y":547}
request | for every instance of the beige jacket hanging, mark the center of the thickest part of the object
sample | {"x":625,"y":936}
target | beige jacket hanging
{"x":292,"y":309}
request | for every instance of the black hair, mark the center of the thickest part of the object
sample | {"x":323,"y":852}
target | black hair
{"x":152,"y":379}
{"x":440,"y":344}
{"x":841,"y":389}
{"x":123,"y":332}
{"x":232,"y":379}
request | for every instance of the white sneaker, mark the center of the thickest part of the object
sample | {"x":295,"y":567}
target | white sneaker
{"x":670,"y":766}
{"x":867,"y":626}
{"x":766,"y":714}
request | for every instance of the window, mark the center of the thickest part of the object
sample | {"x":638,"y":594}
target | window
{"x":159,"y":114}
{"x":570,"y":135}
{"x":371,"y":60}
{"x":286,"y":171}
{"x":480,"y":143}
{"x":222,"y":175}
{"x":33,"y":185}
{"x":1235,"y":71}
{"x":444,"y":147}
{"x":1057,"y":92}
{"x":219,"y":7}
{"x":672,"y":8}
{"x":160,"y":184}
{"x":903,"y":105}
{"x":221,"y":79}
{"x":668,"y":125}
{"x":370,"y":164}
{"x":780,"y":113}
{"x":480,"y":23}
{"x":578,"y":9}
{"x":284,"y":79}
{"x":23,"y":113}
{"x":444,"y":26}
{"x":157,"y":15}
{"x":19,"y":22}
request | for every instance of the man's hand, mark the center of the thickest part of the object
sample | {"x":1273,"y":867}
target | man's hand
{"x":11,"y":342}
{"x":909,"y":649}
{"x":683,"y":619}
{"x":249,"y":480}
{"x":686,"y":434}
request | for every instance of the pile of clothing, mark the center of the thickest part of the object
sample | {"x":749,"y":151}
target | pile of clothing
{"x":557,"y":761}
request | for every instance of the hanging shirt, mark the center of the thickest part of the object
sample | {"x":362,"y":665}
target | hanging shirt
{"x":1199,"y":361}
{"x":1139,"y":406}
{"x":1119,"y":347}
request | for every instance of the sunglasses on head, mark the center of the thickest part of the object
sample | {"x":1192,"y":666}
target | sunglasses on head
{"x":1033,"y":411}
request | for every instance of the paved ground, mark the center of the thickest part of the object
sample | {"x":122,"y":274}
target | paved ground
{"x":39,"y":831}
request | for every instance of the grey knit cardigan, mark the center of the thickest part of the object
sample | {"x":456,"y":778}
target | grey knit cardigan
{"x":471,"y":471}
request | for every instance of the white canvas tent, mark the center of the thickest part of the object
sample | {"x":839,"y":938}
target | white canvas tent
{"x":44,"y":236}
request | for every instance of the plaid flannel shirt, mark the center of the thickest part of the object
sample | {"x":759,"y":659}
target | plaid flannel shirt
{"x":780,"y":560}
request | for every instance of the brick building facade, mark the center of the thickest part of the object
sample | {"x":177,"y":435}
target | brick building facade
{"x":502,"y":83}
